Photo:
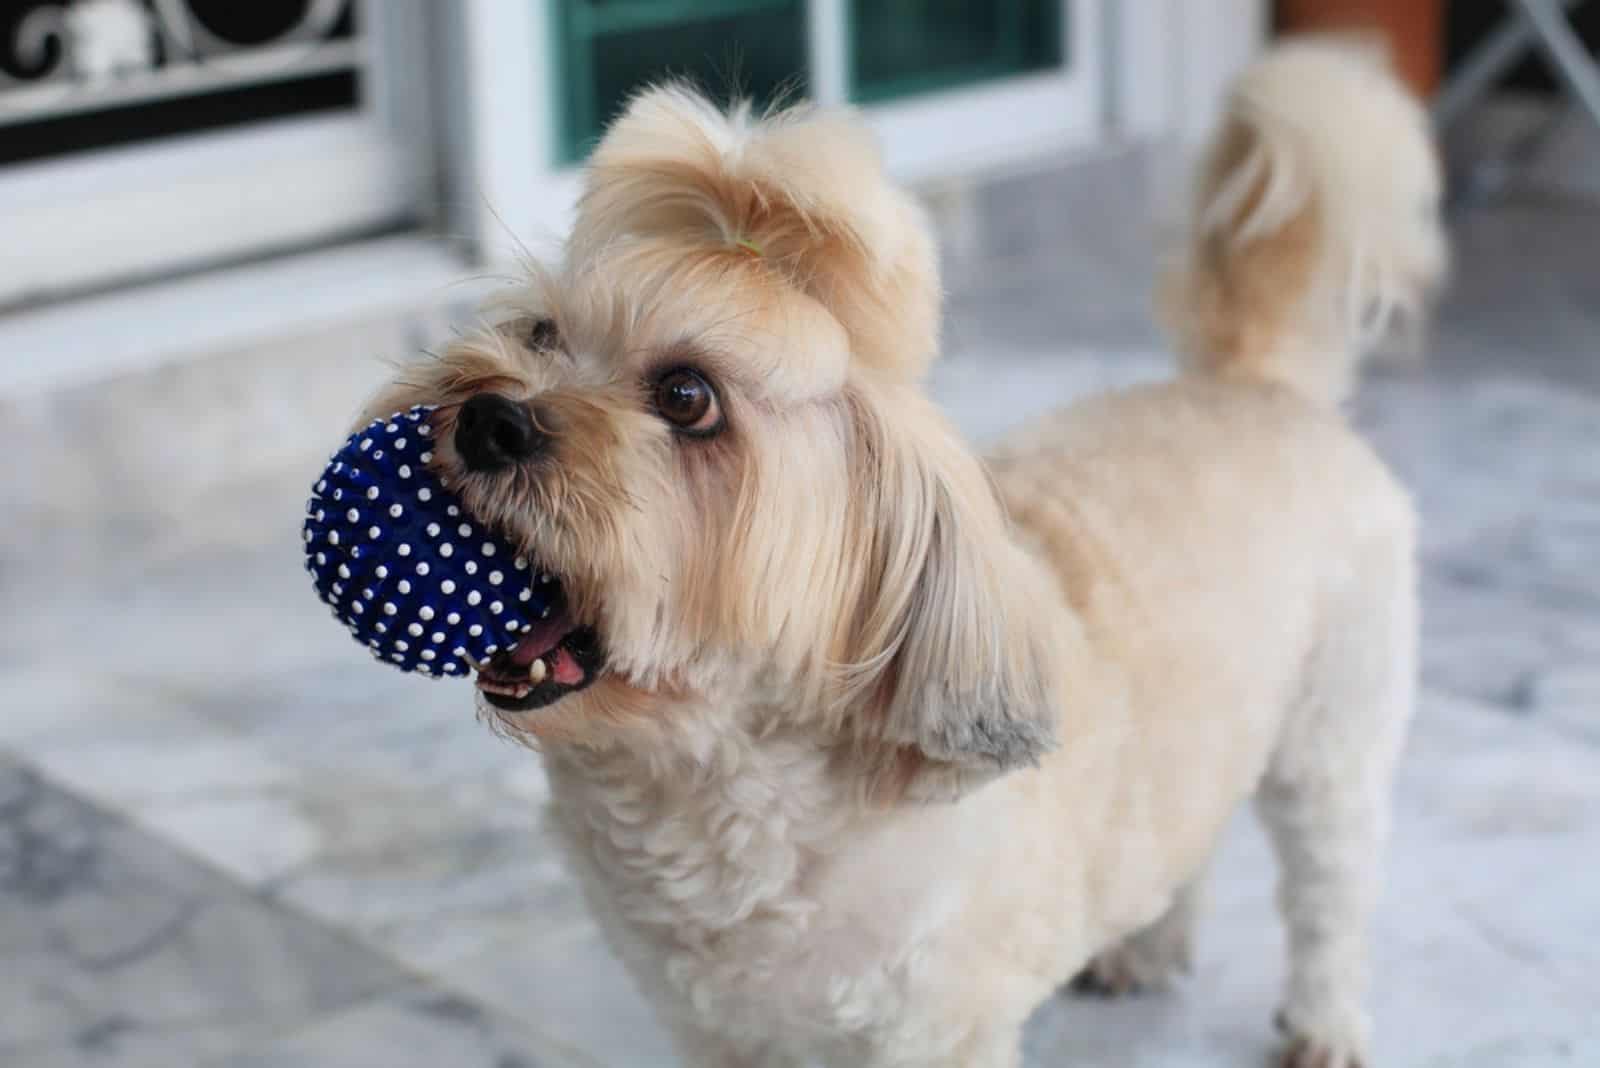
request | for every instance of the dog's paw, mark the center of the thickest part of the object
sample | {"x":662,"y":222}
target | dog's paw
{"x":1141,"y":963}
{"x":1305,"y":1052}
{"x":1312,"y":1047}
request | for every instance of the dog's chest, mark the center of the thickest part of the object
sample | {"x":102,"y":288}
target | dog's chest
{"x":740,"y":894}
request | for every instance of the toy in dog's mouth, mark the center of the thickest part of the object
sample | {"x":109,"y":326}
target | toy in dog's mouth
{"x":554,"y":657}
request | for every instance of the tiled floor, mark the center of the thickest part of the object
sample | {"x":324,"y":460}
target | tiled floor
{"x":226,"y":838}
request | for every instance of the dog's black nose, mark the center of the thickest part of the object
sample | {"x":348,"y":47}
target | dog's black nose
{"x":493,"y":431}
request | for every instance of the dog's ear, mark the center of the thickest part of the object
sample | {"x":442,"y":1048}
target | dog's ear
{"x":961,"y":643}
{"x":802,"y":191}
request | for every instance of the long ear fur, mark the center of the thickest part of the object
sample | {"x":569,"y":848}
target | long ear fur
{"x":959,"y":640}
{"x":803,"y":190}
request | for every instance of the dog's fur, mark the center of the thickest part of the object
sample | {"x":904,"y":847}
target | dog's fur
{"x":891,"y":742}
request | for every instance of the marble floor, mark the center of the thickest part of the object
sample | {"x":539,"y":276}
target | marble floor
{"x":227,"y":839}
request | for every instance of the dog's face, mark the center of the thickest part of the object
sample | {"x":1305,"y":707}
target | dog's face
{"x":706,"y":423}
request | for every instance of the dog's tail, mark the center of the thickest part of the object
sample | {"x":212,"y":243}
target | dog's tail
{"x":1315,"y":226}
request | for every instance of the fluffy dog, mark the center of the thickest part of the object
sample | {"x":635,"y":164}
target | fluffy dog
{"x":863,"y":745}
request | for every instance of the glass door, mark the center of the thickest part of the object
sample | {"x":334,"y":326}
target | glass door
{"x":903,"y":49}
{"x":988,"y":65}
{"x":950,"y":85}
{"x":607,"y":49}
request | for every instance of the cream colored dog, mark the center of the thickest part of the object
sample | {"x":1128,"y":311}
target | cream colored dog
{"x":861,"y":745}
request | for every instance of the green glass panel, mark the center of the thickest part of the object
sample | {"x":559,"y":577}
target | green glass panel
{"x":609,"y":49}
{"x":900,"y":47}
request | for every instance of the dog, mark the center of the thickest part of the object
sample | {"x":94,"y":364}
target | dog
{"x":861,"y":745}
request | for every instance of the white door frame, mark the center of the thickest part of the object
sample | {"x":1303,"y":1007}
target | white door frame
{"x":1174,"y":61}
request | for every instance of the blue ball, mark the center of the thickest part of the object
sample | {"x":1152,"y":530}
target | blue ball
{"x":419,"y":581}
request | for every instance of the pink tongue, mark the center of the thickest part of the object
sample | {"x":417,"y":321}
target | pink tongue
{"x":564,"y":669}
{"x":540,"y":640}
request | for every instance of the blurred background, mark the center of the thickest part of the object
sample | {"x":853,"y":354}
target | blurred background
{"x":226,"y":838}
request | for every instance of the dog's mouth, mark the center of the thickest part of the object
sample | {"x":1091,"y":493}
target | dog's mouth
{"x":555,"y":657}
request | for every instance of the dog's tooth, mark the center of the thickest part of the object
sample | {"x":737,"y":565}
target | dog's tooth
{"x":536,"y":671}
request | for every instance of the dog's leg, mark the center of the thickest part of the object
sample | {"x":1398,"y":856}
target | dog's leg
{"x":699,"y":1049}
{"x":1325,"y":803}
{"x":1152,"y":956}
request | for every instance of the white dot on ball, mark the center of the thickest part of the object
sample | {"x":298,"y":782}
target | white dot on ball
{"x":520,"y":564}
{"x":337,"y":588}
{"x":377,"y":454}
{"x":452,"y":510}
{"x":422,"y":567}
{"x":402,"y":646}
{"x":428,"y":654}
{"x":438,"y":637}
{"x":404,"y":585}
{"x":488,"y":548}
{"x":337,"y":468}
{"x":322,"y":484}
{"x":367,"y":593}
{"x":382,"y":571}
{"x":453,"y":618}
{"x":321,"y":515}
{"x":495,"y":578}
{"x":471,"y":567}
{"x":353,"y":515}
{"x":373,"y":532}
{"x":524,"y":595}
{"x":425,"y":431}
{"x":433,"y":530}
{"x":492,"y":649}
{"x":465,"y":530}
{"x":389,"y":609}
{"x":425,"y":613}
{"x":358,"y":608}
{"x":475,"y":630}
{"x":424,"y":494}
{"x":415,"y":630}
{"x":381,"y":627}
{"x":405,"y":470}
{"x":309,"y":536}
{"x":366,"y":443}
{"x":447,"y":586}
{"x":399,"y":443}
{"x":395,"y":511}
{"x":514,"y":626}
{"x":451,"y":668}
{"x":338,"y":494}
{"x":333,"y":537}
{"x":392,"y":428}
{"x":404,"y":549}
{"x":474,"y":597}
{"x":396,"y":657}
{"x":447,"y":550}
{"x":496,"y":607}
{"x":322,"y":559}
{"x":372,"y":493}
{"x":458,"y":651}
{"x":344,"y":571}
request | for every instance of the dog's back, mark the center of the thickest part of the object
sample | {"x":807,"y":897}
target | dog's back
{"x":1230,"y":541}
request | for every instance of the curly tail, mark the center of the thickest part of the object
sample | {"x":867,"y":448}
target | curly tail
{"x":1315,"y":227}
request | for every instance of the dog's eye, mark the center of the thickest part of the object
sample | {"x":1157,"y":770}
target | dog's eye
{"x":686,"y":400}
{"x":542,"y":335}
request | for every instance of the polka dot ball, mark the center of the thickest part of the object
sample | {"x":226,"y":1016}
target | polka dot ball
{"x":391,"y":552}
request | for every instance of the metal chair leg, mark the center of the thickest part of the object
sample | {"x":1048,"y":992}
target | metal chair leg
{"x":1570,"y":60}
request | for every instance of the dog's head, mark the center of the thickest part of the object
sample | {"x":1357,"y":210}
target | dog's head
{"x":707,"y":422}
